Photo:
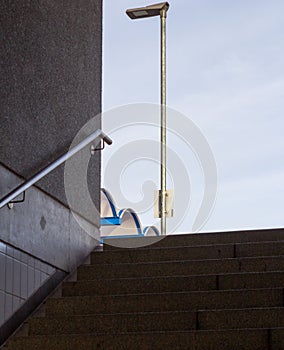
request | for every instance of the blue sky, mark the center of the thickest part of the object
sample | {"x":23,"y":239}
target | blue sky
{"x":226,"y":73}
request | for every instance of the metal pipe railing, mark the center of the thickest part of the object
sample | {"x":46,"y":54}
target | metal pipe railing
{"x":27,"y":184}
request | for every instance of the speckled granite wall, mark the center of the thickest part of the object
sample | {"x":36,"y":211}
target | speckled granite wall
{"x":50,"y":83}
{"x":40,"y":241}
{"x":50,"y":73}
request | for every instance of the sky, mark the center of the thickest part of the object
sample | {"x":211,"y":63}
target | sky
{"x":225,"y":72}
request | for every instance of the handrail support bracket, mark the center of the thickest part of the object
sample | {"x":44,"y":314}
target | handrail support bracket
{"x":11,"y":203}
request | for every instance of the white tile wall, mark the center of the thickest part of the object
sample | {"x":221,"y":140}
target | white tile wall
{"x":20,"y":276}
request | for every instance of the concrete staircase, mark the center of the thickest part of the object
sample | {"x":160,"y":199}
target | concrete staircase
{"x":201,"y":292}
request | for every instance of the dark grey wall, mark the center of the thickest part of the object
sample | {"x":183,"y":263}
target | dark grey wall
{"x":50,"y":83}
{"x":50,"y":71}
{"x":44,"y":228}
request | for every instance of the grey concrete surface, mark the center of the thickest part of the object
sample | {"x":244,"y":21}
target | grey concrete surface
{"x":201,"y":300}
{"x":174,"y":284}
{"x":51,"y":64}
{"x":157,"y":341}
{"x":240,"y":319}
{"x":193,"y":239}
{"x":111,"y":324}
{"x":182,"y":267}
{"x":277,"y":339}
{"x":225,"y":340}
{"x":140,"y":285}
{"x":166,"y":254}
{"x":44,"y":228}
{"x":195,"y":252}
{"x":105,"y":310}
{"x":252,"y":280}
{"x":166,"y":321}
{"x":260,"y":249}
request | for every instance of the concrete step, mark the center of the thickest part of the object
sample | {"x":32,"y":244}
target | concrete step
{"x":260,"y":249}
{"x":159,"y":321}
{"x":177,"y":268}
{"x":114,"y":323}
{"x":197,"y":239}
{"x":185,"y":301}
{"x":240,"y":319}
{"x":174,"y":284}
{"x":219,"y":251}
{"x":277,"y":339}
{"x":251,"y":280}
{"x":140,"y":285}
{"x":169,"y":253}
{"x":203,"y":340}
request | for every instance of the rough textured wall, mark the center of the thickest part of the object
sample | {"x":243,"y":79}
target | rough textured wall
{"x":50,"y":70}
{"x":50,"y":83}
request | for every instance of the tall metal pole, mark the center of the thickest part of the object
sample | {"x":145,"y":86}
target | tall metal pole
{"x":163,"y":123}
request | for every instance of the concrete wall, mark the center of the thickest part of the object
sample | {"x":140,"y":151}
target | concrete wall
{"x":44,"y":228}
{"x":51,"y":69}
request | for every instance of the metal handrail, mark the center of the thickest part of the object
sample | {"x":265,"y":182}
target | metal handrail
{"x":27,"y":184}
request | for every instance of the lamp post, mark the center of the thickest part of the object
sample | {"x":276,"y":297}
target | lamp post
{"x":145,"y":12}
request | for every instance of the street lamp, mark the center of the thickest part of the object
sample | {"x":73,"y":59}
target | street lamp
{"x":145,"y":12}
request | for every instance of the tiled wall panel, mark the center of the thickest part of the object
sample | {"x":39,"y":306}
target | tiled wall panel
{"x":20,"y":276}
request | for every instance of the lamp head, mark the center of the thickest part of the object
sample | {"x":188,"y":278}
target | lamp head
{"x":148,"y":11}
